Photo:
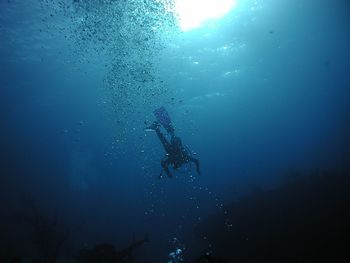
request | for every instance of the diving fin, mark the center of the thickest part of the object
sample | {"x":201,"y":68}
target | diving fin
{"x":163,"y":118}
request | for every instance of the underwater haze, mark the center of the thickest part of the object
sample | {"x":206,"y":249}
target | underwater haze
{"x":259,"y":94}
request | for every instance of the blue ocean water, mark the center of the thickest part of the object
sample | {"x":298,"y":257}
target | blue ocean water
{"x":259,"y":93}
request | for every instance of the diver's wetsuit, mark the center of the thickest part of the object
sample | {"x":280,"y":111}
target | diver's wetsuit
{"x":176,"y":154}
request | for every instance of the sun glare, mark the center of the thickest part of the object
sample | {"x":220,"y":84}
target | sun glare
{"x":193,"y":13}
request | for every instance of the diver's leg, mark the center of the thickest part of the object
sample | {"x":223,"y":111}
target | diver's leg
{"x":196,"y":161}
{"x":170,"y":129}
{"x":165,"y":165}
{"x":163,"y":140}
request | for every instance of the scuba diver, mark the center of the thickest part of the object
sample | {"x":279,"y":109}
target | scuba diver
{"x":176,"y":153}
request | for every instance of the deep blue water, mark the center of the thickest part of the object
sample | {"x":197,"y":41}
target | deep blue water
{"x":263,"y":91}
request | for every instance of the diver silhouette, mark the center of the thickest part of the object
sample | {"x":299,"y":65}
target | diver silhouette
{"x":176,"y":154}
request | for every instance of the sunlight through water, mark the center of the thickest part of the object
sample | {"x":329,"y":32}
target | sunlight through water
{"x":193,"y":13}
